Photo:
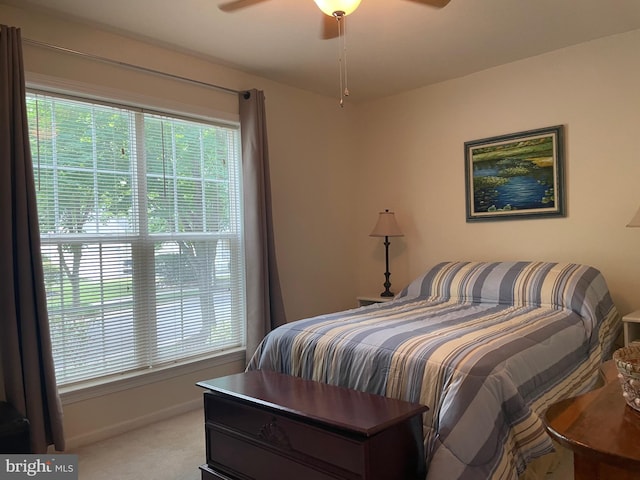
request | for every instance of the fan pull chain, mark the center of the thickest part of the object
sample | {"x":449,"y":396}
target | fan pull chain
{"x":342,"y":55}
{"x":344,"y":50}
{"x":339,"y":22}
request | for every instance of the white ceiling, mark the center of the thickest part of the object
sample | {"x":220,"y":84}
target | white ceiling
{"x":392,"y":45}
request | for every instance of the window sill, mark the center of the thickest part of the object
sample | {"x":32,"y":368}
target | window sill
{"x":87,"y":390}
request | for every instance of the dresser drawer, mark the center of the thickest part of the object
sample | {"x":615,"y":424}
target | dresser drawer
{"x":282,"y":434}
{"x":242,"y":458}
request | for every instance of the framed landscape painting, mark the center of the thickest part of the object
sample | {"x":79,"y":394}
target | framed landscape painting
{"x":519,"y":175}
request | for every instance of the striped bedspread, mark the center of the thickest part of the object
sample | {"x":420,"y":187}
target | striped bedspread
{"x":487,"y":346}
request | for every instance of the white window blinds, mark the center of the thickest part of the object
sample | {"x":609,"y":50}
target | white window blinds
{"x":141,"y":231}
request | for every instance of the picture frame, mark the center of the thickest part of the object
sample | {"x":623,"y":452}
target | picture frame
{"x":519,"y":175}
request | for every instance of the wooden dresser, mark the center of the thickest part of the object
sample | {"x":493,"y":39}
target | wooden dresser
{"x":268,"y":426}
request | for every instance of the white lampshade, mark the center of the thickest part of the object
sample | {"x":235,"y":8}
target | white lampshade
{"x":331,"y":6}
{"x":386,"y":226}
{"x":635,"y":221}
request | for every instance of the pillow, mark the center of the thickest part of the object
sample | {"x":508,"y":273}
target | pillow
{"x":576,"y":287}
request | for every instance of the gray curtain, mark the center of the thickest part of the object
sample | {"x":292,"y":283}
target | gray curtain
{"x":265,"y":308}
{"x":25,"y":344}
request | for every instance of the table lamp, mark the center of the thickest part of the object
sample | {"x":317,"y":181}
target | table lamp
{"x":386,"y":227}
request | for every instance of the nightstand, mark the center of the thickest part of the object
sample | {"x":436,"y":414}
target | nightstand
{"x":365,"y":300}
{"x":631,"y":324}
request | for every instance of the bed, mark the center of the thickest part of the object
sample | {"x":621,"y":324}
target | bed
{"x":488,"y":346}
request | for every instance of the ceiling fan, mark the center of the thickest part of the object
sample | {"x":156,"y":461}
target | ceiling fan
{"x":334,"y":10}
{"x":331,"y":8}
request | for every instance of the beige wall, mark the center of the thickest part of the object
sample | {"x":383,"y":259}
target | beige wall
{"x":416,"y":139}
{"x":333,"y":169}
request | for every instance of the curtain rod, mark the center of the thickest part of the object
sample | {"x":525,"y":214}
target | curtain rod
{"x":130,"y":65}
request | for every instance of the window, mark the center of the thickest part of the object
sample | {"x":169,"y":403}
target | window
{"x":141,"y":231}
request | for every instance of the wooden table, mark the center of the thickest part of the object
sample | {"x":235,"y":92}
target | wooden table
{"x":601,"y":430}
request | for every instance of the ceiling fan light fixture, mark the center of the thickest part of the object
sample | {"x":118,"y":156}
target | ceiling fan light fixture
{"x":330,"y":7}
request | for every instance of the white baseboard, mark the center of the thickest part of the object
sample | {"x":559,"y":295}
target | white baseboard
{"x":73,"y":443}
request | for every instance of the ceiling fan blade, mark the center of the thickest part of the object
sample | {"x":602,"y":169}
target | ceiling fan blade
{"x":433,"y":3}
{"x":329,"y":27}
{"x":238,"y":4}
